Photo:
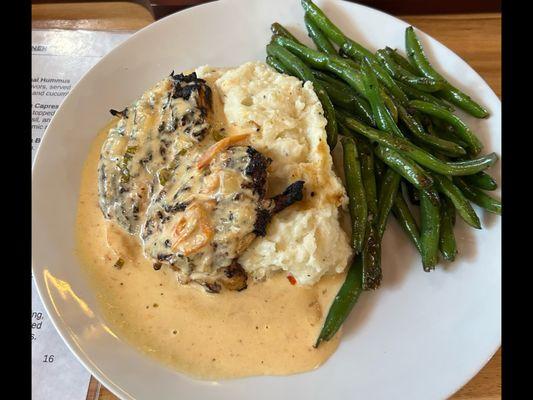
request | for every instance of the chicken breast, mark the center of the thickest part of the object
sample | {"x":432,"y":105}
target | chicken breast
{"x":144,"y":145}
{"x":205,"y":218}
{"x":196,"y":203}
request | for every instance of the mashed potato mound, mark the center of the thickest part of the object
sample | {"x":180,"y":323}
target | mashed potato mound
{"x":306,"y":239}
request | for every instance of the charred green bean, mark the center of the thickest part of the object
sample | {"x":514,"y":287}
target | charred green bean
{"x":417,"y":56}
{"x":356,"y":193}
{"x":477,"y":196}
{"x":461,"y":129}
{"x":460,"y":202}
{"x":320,"y":40}
{"x":429,"y":228}
{"x":447,"y":244}
{"x":419,"y":155}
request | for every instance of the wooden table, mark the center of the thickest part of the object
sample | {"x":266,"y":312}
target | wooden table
{"x":474,"y":37}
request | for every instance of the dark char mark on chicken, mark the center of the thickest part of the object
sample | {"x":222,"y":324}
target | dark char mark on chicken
{"x":257,"y":171}
{"x":290,"y":195}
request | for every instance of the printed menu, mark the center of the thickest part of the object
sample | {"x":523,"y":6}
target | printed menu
{"x":59,"y":60}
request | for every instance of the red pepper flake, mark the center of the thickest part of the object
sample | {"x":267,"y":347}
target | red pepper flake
{"x":291,"y":279}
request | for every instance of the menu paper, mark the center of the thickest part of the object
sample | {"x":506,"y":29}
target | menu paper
{"x":59,"y":60}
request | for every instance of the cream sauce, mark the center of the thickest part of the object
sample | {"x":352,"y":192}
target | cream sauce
{"x":267,"y":329}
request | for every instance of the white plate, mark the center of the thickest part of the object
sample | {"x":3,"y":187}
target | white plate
{"x":421,"y":336}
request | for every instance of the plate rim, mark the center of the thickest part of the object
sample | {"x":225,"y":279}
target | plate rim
{"x":60,"y":325}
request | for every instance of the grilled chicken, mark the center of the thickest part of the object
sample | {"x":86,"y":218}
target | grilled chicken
{"x":205,"y":218}
{"x":145,"y":144}
{"x":197,"y":204}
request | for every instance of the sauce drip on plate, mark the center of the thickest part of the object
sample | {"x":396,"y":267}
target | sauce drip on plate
{"x":267,"y":329}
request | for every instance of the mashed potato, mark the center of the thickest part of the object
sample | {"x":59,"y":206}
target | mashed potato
{"x":306,"y":239}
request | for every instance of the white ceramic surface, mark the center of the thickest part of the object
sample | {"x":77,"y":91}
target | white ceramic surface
{"x":421,"y":336}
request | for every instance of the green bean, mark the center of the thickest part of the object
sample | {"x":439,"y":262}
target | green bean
{"x":379,"y":169}
{"x":398,"y":163}
{"x":408,"y":169}
{"x":274,"y":63}
{"x":403,"y":166}
{"x":397,"y":72}
{"x":329,"y":29}
{"x":436,"y":151}
{"x":446,"y":135}
{"x":419,"y":155}
{"x":452,"y":94}
{"x":387,"y":193}
{"x":384,"y":120}
{"x":481,"y":180}
{"x":391,"y":179}
{"x":463,"y":101}
{"x":344,"y":301}
{"x":371,"y":258}
{"x":321,"y":41}
{"x":341,"y":85}
{"x":401,"y":61}
{"x":447,"y":245}
{"x":371,"y":254}
{"x":461,"y":129}
{"x":350,"y":47}
{"x":403,"y":215}
{"x":477,"y":196}
{"x":429,"y":228}
{"x":366,"y":157}
{"x":389,"y":104}
{"x":365,"y":271}
{"x":353,"y":49}
{"x":348,"y":100}
{"x":445,"y":146}
{"x":462,"y":205}
{"x":415,"y":94}
{"x":437,"y":123}
{"x":298,"y":68}
{"x":412,"y":193}
{"x":337,"y":65}
{"x":329,"y":78}
{"x":356,"y":193}
{"x":278,"y":29}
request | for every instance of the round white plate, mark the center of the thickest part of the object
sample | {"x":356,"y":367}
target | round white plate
{"x":421,"y":336}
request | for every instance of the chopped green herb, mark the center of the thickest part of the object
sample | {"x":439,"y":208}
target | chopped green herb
{"x":163,"y":175}
{"x":131,"y":150}
{"x":218,"y":134}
